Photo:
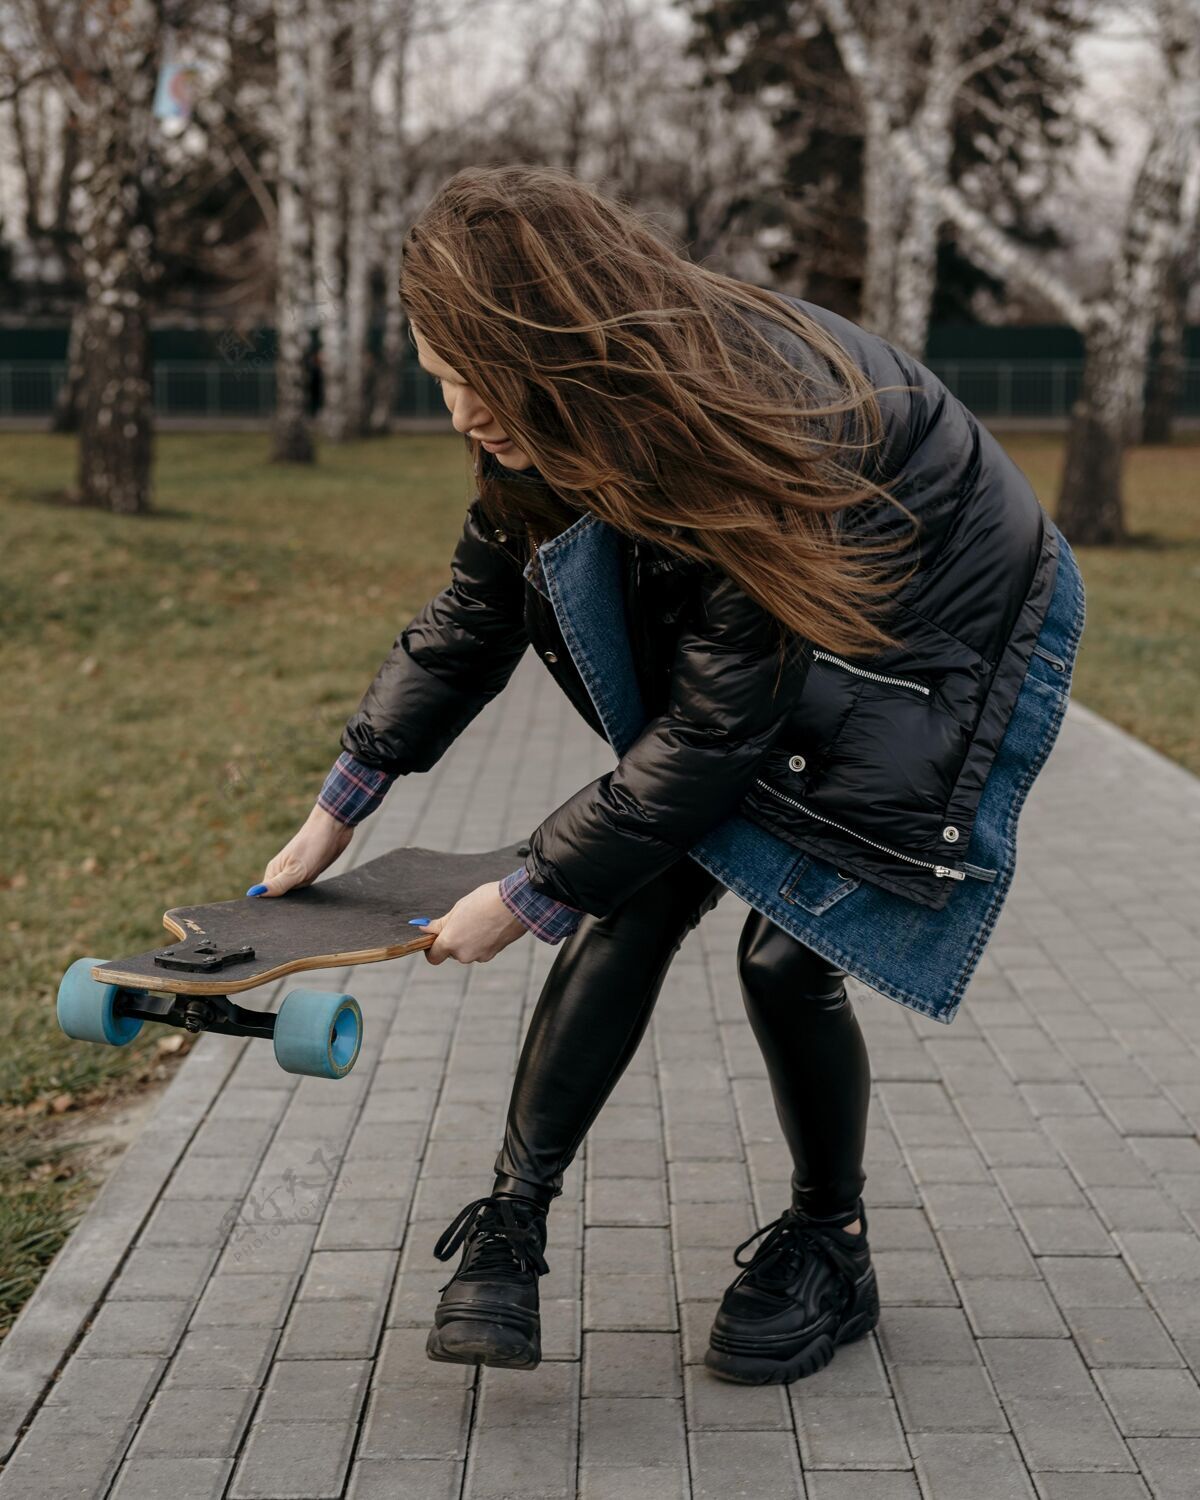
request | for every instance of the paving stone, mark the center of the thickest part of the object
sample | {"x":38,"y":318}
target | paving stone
{"x":221,"y":1356}
{"x":415,"y":1422}
{"x":1121,"y":1336}
{"x":706,"y":1181}
{"x":122,"y":1328}
{"x":194,"y":1423}
{"x":847,"y":1432}
{"x":190,"y":1221}
{"x":855,"y":1484}
{"x":1152,"y":1403}
{"x":326,"y":1390}
{"x":211,"y":1177}
{"x":745,"y":1466}
{"x":1170,"y":1465}
{"x":626,"y":1201}
{"x":411,"y":1479}
{"x":1092,"y":1487}
{"x":926,"y":1335}
{"x":103,"y":1394}
{"x":58,"y":1461}
{"x":720,"y":1405}
{"x":970,"y":1466}
{"x":294,"y":1461}
{"x":263,"y":1298}
{"x":631,"y":1364}
{"x":946,"y":1398}
{"x":914,"y":1277}
{"x":348,"y":1273}
{"x":526,"y":1438}
{"x":624,"y":1432}
{"x":1066,"y":1432}
{"x":332,"y":1328}
{"x":164,"y":1271}
{"x":629,"y":1483}
{"x":633,"y":1301}
{"x":278,"y":1248}
{"x":1007,"y":1307}
{"x":173,"y":1479}
{"x":233,"y":1138}
{"x":1158,"y":1255}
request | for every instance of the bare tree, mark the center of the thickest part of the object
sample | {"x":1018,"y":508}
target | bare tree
{"x":1166,"y":375}
{"x":328,"y":211}
{"x":360,"y":247}
{"x":105,"y":60}
{"x":913,"y":67}
{"x":292,"y":439}
{"x":1116,"y":325}
{"x":394,"y":201}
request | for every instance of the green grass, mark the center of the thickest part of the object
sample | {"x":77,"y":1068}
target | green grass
{"x":1138,"y":664}
{"x":175,"y":686}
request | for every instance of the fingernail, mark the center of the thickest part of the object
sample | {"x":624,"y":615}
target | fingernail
{"x":417,"y":921}
{"x":256,"y":890}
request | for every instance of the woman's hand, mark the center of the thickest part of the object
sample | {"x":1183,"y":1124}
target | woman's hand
{"x":475,"y":928}
{"x":320,"y":840}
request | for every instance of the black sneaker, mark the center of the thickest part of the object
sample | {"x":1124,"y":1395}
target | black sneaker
{"x":488,"y":1313}
{"x":809,"y":1287}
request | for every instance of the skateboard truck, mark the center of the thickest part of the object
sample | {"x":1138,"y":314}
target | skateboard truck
{"x":202,"y":955}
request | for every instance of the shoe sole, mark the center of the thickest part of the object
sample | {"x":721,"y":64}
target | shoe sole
{"x":745,"y":1369}
{"x":483,"y":1344}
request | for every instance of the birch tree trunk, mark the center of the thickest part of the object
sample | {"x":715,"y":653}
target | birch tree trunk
{"x":1166,"y":376}
{"x":328,"y":215}
{"x":359,"y":237}
{"x":1108,"y":414}
{"x":393,"y":209}
{"x":65,"y":417}
{"x":292,"y":438}
{"x":117,"y":256}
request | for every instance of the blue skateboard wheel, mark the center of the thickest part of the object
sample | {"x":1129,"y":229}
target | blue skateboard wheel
{"x":317,"y":1033}
{"x":87,"y":1009}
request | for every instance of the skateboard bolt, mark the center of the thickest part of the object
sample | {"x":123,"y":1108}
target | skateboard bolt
{"x":196,"y":1015}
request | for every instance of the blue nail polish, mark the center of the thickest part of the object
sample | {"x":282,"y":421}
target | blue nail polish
{"x":256,"y":890}
{"x":417,"y":921}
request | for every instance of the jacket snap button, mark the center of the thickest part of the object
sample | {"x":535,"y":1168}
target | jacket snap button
{"x":550,"y":655}
{"x":950,"y":833}
{"x":797,"y":762}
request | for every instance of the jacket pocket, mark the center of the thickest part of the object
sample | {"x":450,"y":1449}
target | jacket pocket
{"x":815,"y":885}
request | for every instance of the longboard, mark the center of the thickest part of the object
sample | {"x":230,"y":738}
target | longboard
{"x":226,"y":947}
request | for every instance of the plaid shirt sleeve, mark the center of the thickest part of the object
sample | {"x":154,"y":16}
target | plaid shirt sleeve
{"x":545,"y":917}
{"x":352,"y":790}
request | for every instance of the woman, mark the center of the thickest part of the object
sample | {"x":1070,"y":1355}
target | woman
{"x":826,"y":626}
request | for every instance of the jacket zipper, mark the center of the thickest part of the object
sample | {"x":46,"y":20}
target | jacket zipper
{"x":943,"y":871}
{"x":876,"y":676}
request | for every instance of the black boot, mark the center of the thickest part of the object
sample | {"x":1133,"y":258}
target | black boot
{"x":488,"y":1313}
{"x":809,"y":1287}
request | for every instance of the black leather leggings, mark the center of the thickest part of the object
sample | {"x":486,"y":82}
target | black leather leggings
{"x":594,"y":1008}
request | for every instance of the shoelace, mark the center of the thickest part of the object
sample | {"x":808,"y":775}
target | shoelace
{"x":502,"y":1241}
{"x":773,"y":1265}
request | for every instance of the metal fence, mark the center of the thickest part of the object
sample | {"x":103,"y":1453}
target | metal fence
{"x":1014,"y":389}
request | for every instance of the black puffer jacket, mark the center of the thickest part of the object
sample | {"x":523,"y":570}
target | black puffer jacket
{"x":875,"y":765}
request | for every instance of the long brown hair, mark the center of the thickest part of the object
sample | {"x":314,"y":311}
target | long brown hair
{"x":660,"y":396}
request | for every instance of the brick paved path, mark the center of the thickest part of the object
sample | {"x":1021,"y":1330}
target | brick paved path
{"x":1033,"y":1191}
